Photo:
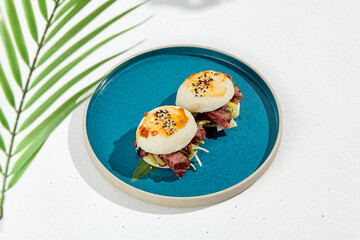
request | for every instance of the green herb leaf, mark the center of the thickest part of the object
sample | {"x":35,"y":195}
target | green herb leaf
{"x":30,"y":18}
{"x":44,"y":129}
{"x":6,"y":88}
{"x":66,"y":7}
{"x":30,"y":157}
{"x":2,"y":146}
{"x":64,"y":70}
{"x":73,"y":31}
{"x":79,"y":44}
{"x":10,"y":51}
{"x":16,"y":30}
{"x":142,"y":169}
{"x":80,"y":5}
{"x":37,"y":113}
{"x":3,"y":120}
{"x":43,"y":8}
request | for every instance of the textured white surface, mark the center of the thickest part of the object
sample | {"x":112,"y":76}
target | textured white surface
{"x":308,"y":50}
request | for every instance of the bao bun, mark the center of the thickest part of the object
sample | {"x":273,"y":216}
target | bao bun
{"x":205,"y":91}
{"x":165,"y":130}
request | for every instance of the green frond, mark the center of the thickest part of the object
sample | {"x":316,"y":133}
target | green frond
{"x":44,"y":129}
{"x":30,"y":18}
{"x":43,"y":8}
{"x":2,"y":146}
{"x":63,"y":11}
{"x":73,"y":31}
{"x":17,"y":175}
{"x":66,"y":69}
{"x":6,"y":88}
{"x":80,"y":5}
{"x":81,"y":43}
{"x":40,"y":110}
{"x":16,"y":30}
{"x":65,"y":8}
{"x":3,"y":120}
{"x":10,"y":51}
{"x":26,"y":160}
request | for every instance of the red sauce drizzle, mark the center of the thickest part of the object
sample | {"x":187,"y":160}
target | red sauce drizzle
{"x":144,"y":131}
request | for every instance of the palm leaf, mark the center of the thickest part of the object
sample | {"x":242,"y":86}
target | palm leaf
{"x":142,"y":169}
{"x":3,"y":120}
{"x":43,"y":130}
{"x":30,"y":18}
{"x":16,"y":30}
{"x":2,"y":146}
{"x":10,"y":51}
{"x":79,"y":44}
{"x":80,"y":5}
{"x":40,"y":110}
{"x":38,"y":141}
{"x":65,"y":69}
{"x":31,"y":144}
{"x":65,"y":8}
{"x":43,"y":8}
{"x":6,"y":88}
{"x":17,"y":175}
{"x":73,"y":31}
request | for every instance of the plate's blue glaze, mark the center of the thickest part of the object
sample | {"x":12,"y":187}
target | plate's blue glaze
{"x":152,"y":79}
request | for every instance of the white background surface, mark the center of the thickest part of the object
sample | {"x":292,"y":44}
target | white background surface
{"x":308,"y":50}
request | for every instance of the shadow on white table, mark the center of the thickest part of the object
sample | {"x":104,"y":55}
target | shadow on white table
{"x":92,"y":176}
{"x":189,"y":4}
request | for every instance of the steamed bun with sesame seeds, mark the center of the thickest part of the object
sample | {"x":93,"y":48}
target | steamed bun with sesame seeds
{"x":169,"y":137}
{"x":211,"y":96}
{"x":165,"y":130}
{"x":205,"y":91}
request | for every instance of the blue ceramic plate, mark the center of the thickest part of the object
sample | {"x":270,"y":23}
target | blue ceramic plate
{"x":237,"y":157}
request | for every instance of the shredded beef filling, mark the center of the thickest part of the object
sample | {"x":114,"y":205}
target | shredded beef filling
{"x":222,"y":116}
{"x":219,"y":117}
{"x":200,"y":133}
{"x":177,"y":161}
{"x":238,"y":94}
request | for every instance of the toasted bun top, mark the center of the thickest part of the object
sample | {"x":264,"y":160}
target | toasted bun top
{"x":165,"y":129}
{"x":205,"y":91}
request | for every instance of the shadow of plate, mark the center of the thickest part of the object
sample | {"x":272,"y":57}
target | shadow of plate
{"x":96,"y":181}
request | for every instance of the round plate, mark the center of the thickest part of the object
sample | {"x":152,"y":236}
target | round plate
{"x":238,"y":156}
